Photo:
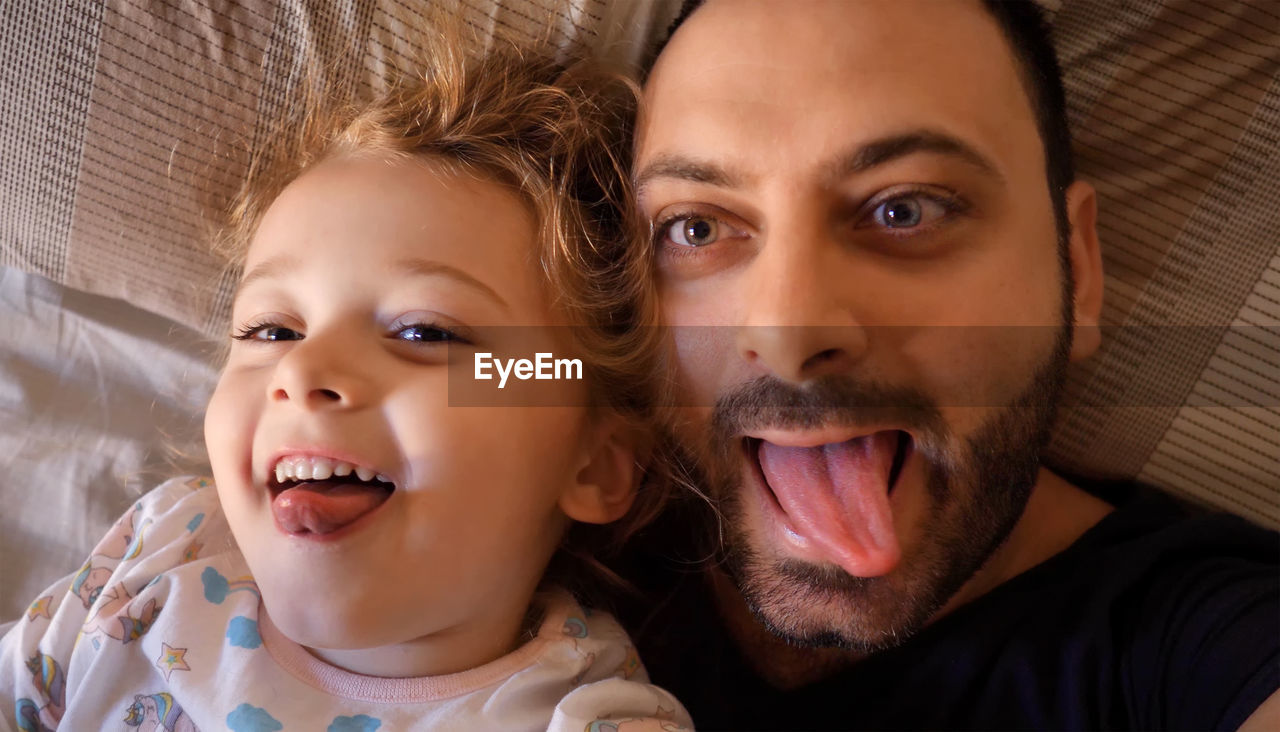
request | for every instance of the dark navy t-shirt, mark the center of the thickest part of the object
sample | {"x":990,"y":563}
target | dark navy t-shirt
{"x":1153,"y":619}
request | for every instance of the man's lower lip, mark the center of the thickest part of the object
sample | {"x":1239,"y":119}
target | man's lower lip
{"x":775,"y":517}
{"x":900,"y":455}
{"x":905,"y":445}
{"x":752,"y":473}
{"x":751,"y":447}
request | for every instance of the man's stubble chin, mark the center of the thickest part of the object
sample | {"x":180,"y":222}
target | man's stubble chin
{"x":977,"y":489}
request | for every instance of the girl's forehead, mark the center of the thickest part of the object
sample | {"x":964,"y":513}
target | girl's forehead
{"x":373,"y":204}
{"x":364,"y":219}
{"x":403,"y":186}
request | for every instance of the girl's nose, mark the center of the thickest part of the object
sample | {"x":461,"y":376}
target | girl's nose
{"x":316,"y":374}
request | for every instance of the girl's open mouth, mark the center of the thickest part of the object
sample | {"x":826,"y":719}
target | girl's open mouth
{"x":338,"y":495}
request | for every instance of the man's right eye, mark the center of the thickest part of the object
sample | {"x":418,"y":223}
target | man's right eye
{"x":267,"y":332}
{"x":692,"y":231}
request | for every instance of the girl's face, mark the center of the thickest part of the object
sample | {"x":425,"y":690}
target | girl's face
{"x":358,"y":275}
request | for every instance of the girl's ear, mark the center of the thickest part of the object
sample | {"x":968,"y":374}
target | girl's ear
{"x":605,"y":485}
{"x":1086,"y":269}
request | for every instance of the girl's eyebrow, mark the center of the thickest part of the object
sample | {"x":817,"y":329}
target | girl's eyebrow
{"x":432,"y":268}
{"x":276,"y":266}
{"x":266,"y":270}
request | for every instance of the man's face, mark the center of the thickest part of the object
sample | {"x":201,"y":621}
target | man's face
{"x":853,"y":195}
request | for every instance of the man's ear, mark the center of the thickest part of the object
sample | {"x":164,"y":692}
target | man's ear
{"x":606,"y":483}
{"x":1085,"y":259}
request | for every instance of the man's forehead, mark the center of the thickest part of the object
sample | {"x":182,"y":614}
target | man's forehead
{"x":765,"y":27}
{"x":809,"y":75}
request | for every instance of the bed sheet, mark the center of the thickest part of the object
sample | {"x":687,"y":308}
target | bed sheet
{"x":98,"y":401}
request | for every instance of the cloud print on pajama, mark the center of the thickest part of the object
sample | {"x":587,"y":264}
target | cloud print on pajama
{"x":242,"y":631}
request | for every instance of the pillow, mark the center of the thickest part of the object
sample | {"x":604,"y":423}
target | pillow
{"x":127,"y":122}
{"x":130,"y":121}
{"x":1175,"y":110}
{"x":99,"y":402}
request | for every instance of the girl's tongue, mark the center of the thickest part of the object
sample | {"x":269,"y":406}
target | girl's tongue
{"x":324,"y":506}
{"x":837,"y":496}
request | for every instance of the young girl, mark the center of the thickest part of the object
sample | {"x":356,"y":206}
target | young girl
{"x":390,"y":536}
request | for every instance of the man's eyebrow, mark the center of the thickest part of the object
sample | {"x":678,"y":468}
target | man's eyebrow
{"x":860,"y":159}
{"x":432,"y":268}
{"x":680,"y":167}
{"x":890,"y":148}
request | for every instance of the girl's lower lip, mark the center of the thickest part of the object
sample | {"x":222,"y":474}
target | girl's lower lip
{"x":337,"y":534}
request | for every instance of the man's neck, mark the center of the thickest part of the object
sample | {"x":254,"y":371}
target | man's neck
{"x":1056,"y":515}
{"x":779,"y":663}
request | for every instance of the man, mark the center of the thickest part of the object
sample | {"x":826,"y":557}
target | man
{"x":873,"y":204}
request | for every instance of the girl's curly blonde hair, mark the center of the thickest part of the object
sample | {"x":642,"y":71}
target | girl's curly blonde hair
{"x":560,"y":137}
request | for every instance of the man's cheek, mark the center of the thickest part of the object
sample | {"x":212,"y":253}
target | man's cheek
{"x":704,"y":358}
{"x":971,"y":366}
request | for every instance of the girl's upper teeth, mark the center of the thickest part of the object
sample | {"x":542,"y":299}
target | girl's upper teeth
{"x":300,"y":467}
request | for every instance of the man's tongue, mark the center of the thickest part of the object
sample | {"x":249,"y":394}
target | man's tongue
{"x":321,"y":507}
{"x":837,"y":497}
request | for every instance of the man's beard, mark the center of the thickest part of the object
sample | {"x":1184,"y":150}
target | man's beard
{"x":977,"y":490}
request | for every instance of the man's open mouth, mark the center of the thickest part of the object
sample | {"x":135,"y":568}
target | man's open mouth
{"x":902,"y":446}
{"x":835,"y":495}
{"x":317,"y":496}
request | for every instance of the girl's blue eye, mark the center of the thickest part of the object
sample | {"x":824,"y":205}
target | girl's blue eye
{"x":693,"y":231}
{"x":267,"y":332}
{"x":421,"y":333}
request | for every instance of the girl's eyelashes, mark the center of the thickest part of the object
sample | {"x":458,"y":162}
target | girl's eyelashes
{"x":412,"y":332}
{"x":266,"y":331}
{"x":427,"y":328}
{"x":428,"y":333}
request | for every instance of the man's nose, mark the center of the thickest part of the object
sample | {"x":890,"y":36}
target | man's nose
{"x":318,"y":373}
{"x":800,"y":315}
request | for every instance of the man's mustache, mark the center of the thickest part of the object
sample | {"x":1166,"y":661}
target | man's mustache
{"x":833,"y":400}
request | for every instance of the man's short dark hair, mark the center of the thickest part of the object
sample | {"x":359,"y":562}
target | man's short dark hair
{"x":1024,"y":26}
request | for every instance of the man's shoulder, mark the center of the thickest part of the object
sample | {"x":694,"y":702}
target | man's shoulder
{"x":1153,"y":564}
{"x":1158,"y":616}
{"x":1192,"y":598}
{"x":1152,"y":538}
{"x":1152,"y":574}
